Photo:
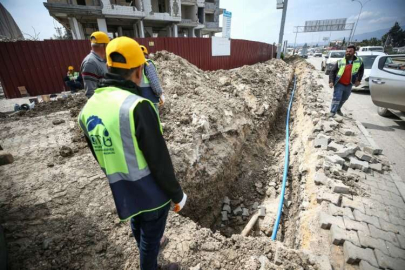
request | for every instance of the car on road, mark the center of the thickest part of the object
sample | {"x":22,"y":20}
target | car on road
{"x":387,"y":84}
{"x":371,"y":49}
{"x":368,"y":60}
{"x":318,"y":54}
{"x":330,"y":60}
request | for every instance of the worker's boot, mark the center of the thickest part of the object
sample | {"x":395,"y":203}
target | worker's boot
{"x":331,"y":115}
{"x":339,"y":112}
{"x":170,"y":266}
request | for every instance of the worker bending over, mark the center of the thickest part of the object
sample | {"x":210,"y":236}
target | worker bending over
{"x":124,"y":133}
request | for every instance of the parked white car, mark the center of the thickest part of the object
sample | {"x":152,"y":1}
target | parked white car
{"x":371,"y":49}
{"x":387,"y":84}
{"x":368,"y":60}
{"x":330,"y":60}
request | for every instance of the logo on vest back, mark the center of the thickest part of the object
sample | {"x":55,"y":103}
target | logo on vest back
{"x":101,"y":142}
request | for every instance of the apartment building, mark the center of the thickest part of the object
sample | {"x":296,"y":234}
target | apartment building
{"x":138,"y":18}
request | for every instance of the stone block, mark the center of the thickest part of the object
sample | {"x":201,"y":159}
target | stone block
{"x":368,"y":241}
{"x":340,"y":211}
{"x":377,"y":213}
{"x":322,"y":141}
{"x":6,"y":158}
{"x":372,"y":151}
{"x":238,"y":211}
{"x":262,"y":211}
{"x":363,"y":265}
{"x":355,"y":225}
{"x":335,"y":159}
{"x":327,"y":221}
{"x":245,"y":212}
{"x":395,"y":251}
{"x":328,"y":197}
{"x":224,"y":216}
{"x":354,"y":254}
{"x":227,"y":208}
{"x":387,"y":236}
{"x":339,"y":187}
{"x":353,"y":204}
{"x":320,"y":178}
{"x":334,"y":147}
{"x":363,"y":156}
{"x":361,"y":174}
{"x":389,"y":227}
{"x":339,"y":236}
{"x":401,"y":240}
{"x":376,"y":167}
{"x":226,"y":200}
{"x":358,"y":164}
{"x":359,"y":216}
{"x":385,"y":261}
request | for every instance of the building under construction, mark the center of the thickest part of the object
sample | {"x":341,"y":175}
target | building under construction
{"x":138,"y":18}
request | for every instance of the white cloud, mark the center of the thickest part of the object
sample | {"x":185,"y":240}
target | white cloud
{"x":365,"y":15}
{"x":382,"y":20}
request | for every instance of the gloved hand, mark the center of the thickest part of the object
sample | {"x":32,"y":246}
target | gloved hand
{"x":161,"y":100}
{"x":180,"y":205}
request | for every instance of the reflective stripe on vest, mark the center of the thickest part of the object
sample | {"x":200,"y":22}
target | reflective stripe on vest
{"x":342,"y":65}
{"x":112,"y":133}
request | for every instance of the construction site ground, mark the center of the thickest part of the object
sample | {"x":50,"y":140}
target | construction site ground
{"x":225,"y":131}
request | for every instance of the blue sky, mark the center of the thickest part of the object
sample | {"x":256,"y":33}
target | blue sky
{"x":257,"y":20}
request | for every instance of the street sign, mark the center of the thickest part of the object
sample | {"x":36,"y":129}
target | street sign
{"x":325,"y":25}
{"x":280,"y":4}
{"x":226,"y":27}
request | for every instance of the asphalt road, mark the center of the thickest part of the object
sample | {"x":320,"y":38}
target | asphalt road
{"x":388,"y":133}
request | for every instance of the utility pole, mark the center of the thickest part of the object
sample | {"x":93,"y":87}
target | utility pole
{"x":358,"y":17}
{"x":280,"y":37}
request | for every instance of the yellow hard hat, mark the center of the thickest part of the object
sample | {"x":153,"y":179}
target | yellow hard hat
{"x":70,"y":68}
{"x":129,"y":49}
{"x":144,"y":49}
{"x":99,"y":38}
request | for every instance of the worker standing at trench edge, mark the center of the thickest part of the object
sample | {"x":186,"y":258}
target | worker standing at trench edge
{"x":124,"y":133}
{"x":346,"y":72}
{"x":150,"y":85}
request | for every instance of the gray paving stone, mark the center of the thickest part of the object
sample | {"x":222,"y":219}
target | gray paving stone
{"x":363,"y":156}
{"x":385,"y":187}
{"x":401,"y":188}
{"x":339,"y":187}
{"x":392,"y":210}
{"x":368,"y":241}
{"x":401,"y":240}
{"x":361,"y":174}
{"x":339,"y":236}
{"x":354,"y":254}
{"x":340,"y":211}
{"x":335,"y":147}
{"x":328,"y":197}
{"x":320,"y":178}
{"x":335,"y":159}
{"x":387,"y":236}
{"x":358,"y":164}
{"x":396,"y":198}
{"x":353,"y":204}
{"x":376,"y":167}
{"x":372,"y":151}
{"x":391,"y":202}
{"x":373,"y":204}
{"x":327,"y":221}
{"x":385,"y":261}
{"x":355,"y":225}
{"x":363,"y":265}
{"x":395,"y":252}
{"x":322,"y":141}
{"x":396,"y":220}
{"x":389,"y":227}
{"x":359,"y":216}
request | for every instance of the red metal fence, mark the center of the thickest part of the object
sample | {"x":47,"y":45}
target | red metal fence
{"x":40,"y":66}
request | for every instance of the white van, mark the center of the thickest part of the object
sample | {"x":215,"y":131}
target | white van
{"x":371,"y":49}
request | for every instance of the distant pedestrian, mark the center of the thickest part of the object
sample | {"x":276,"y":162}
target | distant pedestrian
{"x":94,"y":65}
{"x":150,"y":85}
{"x":73,"y":80}
{"x":346,"y":72}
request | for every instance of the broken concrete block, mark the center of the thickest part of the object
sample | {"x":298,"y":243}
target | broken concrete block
{"x":357,"y":164}
{"x":262,"y":211}
{"x":340,"y":236}
{"x":334,"y":147}
{"x":353,"y":204}
{"x":322,"y":141}
{"x":224,"y":216}
{"x":58,"y":121}
{"x":354,"y":254}
{"x":227,"y":208}
{"x":320,"y":178}
{"x":344,"y":152}
{"x":245,"y":212}
{"x":335,"y":159}
{"x":328,"y":197}
{"x":339,"y":187}
{"x":227,"y":200}
{"x":327,"y":221}
{"x":238,"y":211}
{"x":255,"y":206}
{"x":363,"y":156}
{"x":340,"y":211}
{"x":376,"y":167}
{"x":372,"y":151}
{"x":6,"y":158}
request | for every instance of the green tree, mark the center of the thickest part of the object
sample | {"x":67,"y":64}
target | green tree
{"x":396,"y":36}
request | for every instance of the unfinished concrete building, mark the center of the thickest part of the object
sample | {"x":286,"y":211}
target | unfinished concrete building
{"x":137,"y":18}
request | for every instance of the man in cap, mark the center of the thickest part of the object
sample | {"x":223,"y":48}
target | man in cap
{"x":73,"y":80}
{"x":124,"y":133}
{"x":150,"y":85}
{"x":94,"y":66}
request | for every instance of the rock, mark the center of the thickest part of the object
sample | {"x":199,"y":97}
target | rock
{"x":255,"y":206}
{"x":339,"y":187}
{"x":262,"y":211}
{"x":6,"y":158}
{"x":372,"y":151}
{"x":363,"y":156}
{"x":224,"y":216}
{"x":226,"y":200}
{"x":335,"y":159}
{"x":335,"y":147}
{"x":65,"y":151}
{"x":50,"y":164}
{"x":357,"y":164}
{"x":320,"y":178}
{"x":348,"y":132}
{"x":238,"y":211}
{"x":227,"y":208}
{"x":58,"y":121}
{"x":322,"y":141}
{"x":376,"y":167}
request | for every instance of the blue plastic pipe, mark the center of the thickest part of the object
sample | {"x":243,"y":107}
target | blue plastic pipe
{"x":285,"y":173}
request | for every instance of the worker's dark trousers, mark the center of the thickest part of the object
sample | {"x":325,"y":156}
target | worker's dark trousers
{"x":148,"y":229}
{"x":74,"y":86}
{"x":341,"y":94}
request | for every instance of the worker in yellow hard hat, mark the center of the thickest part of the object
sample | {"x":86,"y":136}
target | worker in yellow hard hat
{"x":94,"y":64}
{"x":124,"y":133}
{"x":73,"y":80}
{"x":150,"y":86}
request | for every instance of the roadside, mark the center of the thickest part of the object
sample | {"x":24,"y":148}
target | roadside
{"x":388,"y":133}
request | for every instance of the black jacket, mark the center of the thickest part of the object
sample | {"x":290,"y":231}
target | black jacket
{"x":333,"y":73}
{"x":150,"y":140}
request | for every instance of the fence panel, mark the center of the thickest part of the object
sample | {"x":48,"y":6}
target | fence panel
{"x":40,"y":66}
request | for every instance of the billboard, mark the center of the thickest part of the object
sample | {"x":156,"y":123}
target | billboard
{"x":226,"y":24}
{"x":325,"y":25}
